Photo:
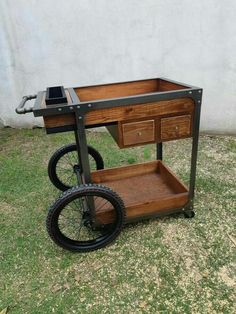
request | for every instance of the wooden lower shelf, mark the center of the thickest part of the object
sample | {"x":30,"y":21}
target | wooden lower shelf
{"x":146,"y":189}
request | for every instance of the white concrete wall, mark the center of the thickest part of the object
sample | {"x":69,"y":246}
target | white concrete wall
{"x":81,"y":42}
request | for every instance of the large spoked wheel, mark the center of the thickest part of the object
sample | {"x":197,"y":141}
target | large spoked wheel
{"x":63,"y":166}
{"x":72,"y":225}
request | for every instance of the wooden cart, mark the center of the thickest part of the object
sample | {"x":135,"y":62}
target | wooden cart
{"x":135,"y":113}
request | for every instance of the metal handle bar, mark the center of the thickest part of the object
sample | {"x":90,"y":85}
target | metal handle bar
{"x":20,"y":109}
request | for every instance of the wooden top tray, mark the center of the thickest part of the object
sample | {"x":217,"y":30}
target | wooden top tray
{"x":110,"y":103}
{"x":125,"y":89}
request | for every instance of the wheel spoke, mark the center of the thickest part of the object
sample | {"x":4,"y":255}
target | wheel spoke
{"x":90,"y":232}
{"x":71,"y":221}
{"x":75,"y":210}
{"x":68,"y":160}
{"x":80,"y":227}
{"x":70,"y":156}
{"x":70,"y":224}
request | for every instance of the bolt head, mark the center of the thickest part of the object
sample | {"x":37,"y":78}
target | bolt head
{"x":89,"y":105}
{"x":190,"y":92}
{"x":78,"y":107}
{"x":71,"y":108}
{"x":199,"y":91}
{"x":59,"y":109}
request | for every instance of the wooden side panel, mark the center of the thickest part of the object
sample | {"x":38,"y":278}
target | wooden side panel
{"x":132,"y":112}
{"x":162,"y":205}
{"x":120,"y":173}
{"x":125,"y":113}
{"x":168,"y":86}
{"x":117,"y":90}
{"x":59,"y":120}
{"x":138,"y":132}
{"x":171,"y":179}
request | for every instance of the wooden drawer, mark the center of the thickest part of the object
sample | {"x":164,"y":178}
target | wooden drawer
{"x":139,"y":132}
{"x":176,"y":127}
{"x":133,"y":133}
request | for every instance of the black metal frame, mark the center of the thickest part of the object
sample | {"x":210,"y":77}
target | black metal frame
{"x":81,"y":108}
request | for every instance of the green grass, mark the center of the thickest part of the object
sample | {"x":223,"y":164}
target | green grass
{"x":168,"y":265}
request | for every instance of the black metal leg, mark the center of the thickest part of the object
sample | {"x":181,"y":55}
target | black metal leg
{"x":82,"y":148}
{"x":196,"y":124}
{"x":159,"y":151}
{"x":78,"y":170}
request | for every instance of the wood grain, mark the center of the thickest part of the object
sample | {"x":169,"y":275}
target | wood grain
{"x":130,"y":112}
{"x":138,"y":132}
{"x":119,"y":173}
{"x":176,"y":127}
{"x":125,"y":89}
{"x":145,"y":189}
{"x":59,"y":120}
{"x":171,"y":179}
{"x":168,"y":86}
{"x":117,"y":90}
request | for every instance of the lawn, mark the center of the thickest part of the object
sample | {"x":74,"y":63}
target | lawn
{"x":165,"y":265}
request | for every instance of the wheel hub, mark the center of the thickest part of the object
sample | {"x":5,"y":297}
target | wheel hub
{"x":86,"y":219}
{"x":76,"y":168}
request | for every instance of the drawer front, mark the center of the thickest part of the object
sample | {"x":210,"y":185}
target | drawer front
{"x":138,"y":132}
{"x":176,"y":127}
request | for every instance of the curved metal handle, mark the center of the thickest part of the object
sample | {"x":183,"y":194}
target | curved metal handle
{"x":20,"y":109}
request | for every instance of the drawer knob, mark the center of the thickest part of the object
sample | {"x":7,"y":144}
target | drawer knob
{"x":139,"y":133}
{"x":176,"y":127}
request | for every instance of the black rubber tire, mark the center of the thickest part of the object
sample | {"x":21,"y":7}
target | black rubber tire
{"x":52,"y":165}
{"x":53,"y":225}
{"x":189,"y":214}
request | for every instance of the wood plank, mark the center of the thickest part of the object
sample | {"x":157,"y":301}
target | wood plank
{"x":168,"y":86}
{"x":119,"y":173}
{"x":171,"y":179}
{"x":130,"y":112}
{"x":139,"y":111}
{"x":117,"y":90}
{"x":59,"y":120}
{"x":162,"y":205}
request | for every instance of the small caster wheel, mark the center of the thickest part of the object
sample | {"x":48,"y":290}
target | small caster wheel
{"x":189,"y":214}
